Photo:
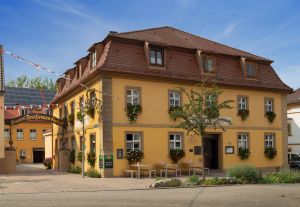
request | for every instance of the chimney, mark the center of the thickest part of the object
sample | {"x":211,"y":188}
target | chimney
{"x":1,"y":69}
{"x":113,"y":32}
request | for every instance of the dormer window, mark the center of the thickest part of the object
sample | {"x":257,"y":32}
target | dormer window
{"x":22,"y":111}
{"x":208,"y":64}
{"x":156,"y":56}
{"x":94,"y":61}
{"x":250,"y":70}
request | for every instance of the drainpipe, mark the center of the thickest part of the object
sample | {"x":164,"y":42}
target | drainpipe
{"x":83,"y":146}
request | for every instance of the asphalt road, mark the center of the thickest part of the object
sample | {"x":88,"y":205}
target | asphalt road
{"x":233,"y":196}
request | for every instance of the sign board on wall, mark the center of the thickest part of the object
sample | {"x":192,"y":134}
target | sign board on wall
{"x":106,"y":161}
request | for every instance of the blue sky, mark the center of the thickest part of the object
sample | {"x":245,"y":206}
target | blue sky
{"x":55,"y":33}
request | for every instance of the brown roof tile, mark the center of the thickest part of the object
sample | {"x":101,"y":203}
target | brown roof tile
{"x":294,"y":97}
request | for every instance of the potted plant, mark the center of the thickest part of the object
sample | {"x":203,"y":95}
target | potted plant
{"x":22,"y":158}
{"x":48,"y":163}
{"x":134,"y":156}
{"x":243,"y":153}
{"x":90,"y":111}
{"x":71,"y":119}
{"x":176,"y":155}
{"x":133,"y":110}
{"x":80,"y":116}
{"x":172,"y":109}
{"x":271,"y":116}
{"x":270,"y":152}
{"x":243,"y":113}
{"x":91,"y":158}
{"x":72,"y":156}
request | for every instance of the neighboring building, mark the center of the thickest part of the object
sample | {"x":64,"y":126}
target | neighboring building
{"x":293,"y":114}
{"x":27,"y":136}
{"x":145,"y":67}
{"x":1,"y":102}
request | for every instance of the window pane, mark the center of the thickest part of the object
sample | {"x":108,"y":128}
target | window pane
{"x":129,"y":137}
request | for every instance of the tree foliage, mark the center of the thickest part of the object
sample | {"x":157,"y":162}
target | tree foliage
{"x":35,"y":82}
{"x":202,"y":110}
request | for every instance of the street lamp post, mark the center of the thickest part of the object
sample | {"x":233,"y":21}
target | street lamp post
{"x":83,"y":144}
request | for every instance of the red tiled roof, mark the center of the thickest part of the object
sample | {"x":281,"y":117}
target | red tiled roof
{"x":294,"y":97}
{"x":122,"y":55}
{"x":11,"y":113}
{"x":175,"y":37}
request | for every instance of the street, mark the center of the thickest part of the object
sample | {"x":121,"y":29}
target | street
{"x":35,"y":186}
{"x":247,"y":195}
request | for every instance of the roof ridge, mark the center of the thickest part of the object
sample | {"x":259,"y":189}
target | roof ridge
{"x":139,"y":30}
{"x":219,"y":43}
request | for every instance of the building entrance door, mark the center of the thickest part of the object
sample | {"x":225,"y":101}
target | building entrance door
{"x":211,"y":151}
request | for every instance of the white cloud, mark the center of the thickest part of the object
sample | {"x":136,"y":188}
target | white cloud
{"x":229,"y":29}
{"x":183,"y":4}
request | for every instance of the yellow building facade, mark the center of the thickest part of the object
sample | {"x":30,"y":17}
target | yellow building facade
{"x":112,"y":70}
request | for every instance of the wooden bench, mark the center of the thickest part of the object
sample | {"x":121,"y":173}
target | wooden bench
{"x":131,"y":172}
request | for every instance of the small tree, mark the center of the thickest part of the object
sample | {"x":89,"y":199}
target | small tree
{"x":91,"y":158}
{"x":202,"y":111}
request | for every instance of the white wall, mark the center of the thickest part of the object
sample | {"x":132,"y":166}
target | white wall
{"x":48,"y":145}
{"x":293,"y":114}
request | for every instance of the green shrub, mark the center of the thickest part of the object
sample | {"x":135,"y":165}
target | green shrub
{"x":282,"y":177}
{"x":75,"y":170}
{"x":72,"y":156}
{"x":243,"y":153}
{"x":221,"y":181}
{"x":90,"y":111}
{"x":176,"y":155}
{"x":169,"y":183}
{"x":48,"y":163}
{"x":270,"y":152}
{"x":193,"y":180}
{"x":134,"y":156}
{"x":243,"y":173}
{"x":80,"y":116}
{"x":91,"y":158}
{"x":79,"y":156}
{"x":93,"y":173}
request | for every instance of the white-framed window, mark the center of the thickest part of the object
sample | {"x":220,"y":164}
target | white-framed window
{"x":269,"y":105}
{"x":20,"y":134}
{"x":210,"y":100}
{"x":133,"y":141}
{"x":133,"y":96}
{"x":175,"y":141}
{"x":22,"y":111}
{"x":22,"y":154}
{"x":269,"y":140}
{"x":208,"y":64}
{"x":94,"y":60}
{"x":250,"y":70}
{"x":32,"y":134}
{"x":174,"y":98}
{"x":242,"y":102}
{"x":44,"y":131}
{"x":6,"y":133}
{"x":156,"y":56}
{"x":243,"y":141}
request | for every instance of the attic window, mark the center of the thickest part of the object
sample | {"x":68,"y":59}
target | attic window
{"x":94,"y":61}
{"x":208,"y":64}
{"x":156,"y":56}
{"x":250,"y":70}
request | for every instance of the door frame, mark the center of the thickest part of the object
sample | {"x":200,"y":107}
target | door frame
{"x":220,"y":148}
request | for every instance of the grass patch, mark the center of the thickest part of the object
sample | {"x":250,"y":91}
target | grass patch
{"x":169,"y":183}
{"x":92,"y":173}
{"x":75,"y":170}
